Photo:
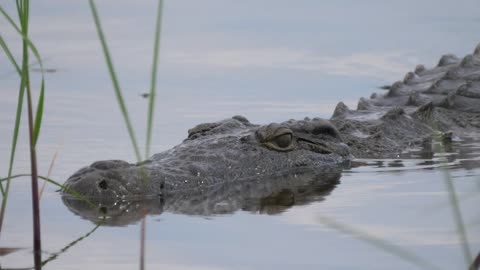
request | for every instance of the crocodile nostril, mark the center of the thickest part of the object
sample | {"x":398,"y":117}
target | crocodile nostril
{"x":103,"y":184}
{"x":103,"y":210}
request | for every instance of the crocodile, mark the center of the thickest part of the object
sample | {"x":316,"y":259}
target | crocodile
{"x":440,"y":102}
{"x":230,"y":150}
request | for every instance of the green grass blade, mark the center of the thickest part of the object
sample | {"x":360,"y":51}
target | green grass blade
{"x":55,"y":183}
{"x":10,"y":20}
{"x":113,"y":77}
{"x":23,"y":9}
{"x":9,"y":55}
{"x":151,"y":106}
{"x":18,"y":116}
{"x":30,"y":44}
{"x":39,"y":114}
{"x":19,"y":104}
{"x":23,"y":14}
{"x":151,"y":103}
{"x":378,"y":243}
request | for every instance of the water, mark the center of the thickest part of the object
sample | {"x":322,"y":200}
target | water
{"x":269,"y":61}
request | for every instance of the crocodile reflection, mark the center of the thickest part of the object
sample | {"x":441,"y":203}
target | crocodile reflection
{"x":268,"y":195}
{"x":457,"y":154}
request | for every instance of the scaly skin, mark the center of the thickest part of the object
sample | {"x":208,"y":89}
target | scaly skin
{"x":232,"y":150}
{"x":442,"y":101}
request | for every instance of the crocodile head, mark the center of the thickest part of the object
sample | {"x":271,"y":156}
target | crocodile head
{"x":219,"y":152}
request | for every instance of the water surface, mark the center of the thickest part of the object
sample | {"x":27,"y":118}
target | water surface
{"x":269,"y":61}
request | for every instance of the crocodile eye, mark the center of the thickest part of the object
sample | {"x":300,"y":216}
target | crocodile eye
{"x":283,"y":141}
{"x":276,"y":137}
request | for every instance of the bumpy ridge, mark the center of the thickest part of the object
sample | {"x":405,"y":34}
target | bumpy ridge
{"x":425,"y":103}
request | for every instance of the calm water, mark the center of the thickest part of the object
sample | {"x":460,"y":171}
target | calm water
{"x":270,"y":62}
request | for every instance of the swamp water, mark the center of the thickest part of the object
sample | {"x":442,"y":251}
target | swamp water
{"x":269,"y":66}
{"x":404,"y":203}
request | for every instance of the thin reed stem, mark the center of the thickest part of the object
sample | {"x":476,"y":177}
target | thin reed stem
{"x":151,"y":103}
{"x":397,"y":251}
{"x":151,"y":106}
{"x":18,"y":116}
{"x":457,"y":217}
{"x":51,"y":181}
{"x":22,"y":9}
{"x":113,"y":76}
{"x":50,"y":168}
{"x":23,"y":13}
{"x":143,"y":228}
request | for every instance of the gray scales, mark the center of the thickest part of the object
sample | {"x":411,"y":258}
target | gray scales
{"x":239,"y":162}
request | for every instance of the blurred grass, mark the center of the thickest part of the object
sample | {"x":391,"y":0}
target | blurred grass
{"x":379,"y":243}
{"x":113,"y":77}
{"x":23,"y":10}
{"x":455,"y":206}
{"x":116,"y":85}
{"x":153,"y":81}
{"x":35,"y":125}
{"x":475,"y":264}
{"x":458,"y":219}
{"x":123,"y":106}
{"x":22,"y":6}
{"x":35,"y":132}
{"x":404,"y":254}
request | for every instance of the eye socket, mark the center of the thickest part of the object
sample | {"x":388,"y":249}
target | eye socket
{"x":276,"y":137}
{"x":283,"y":141}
